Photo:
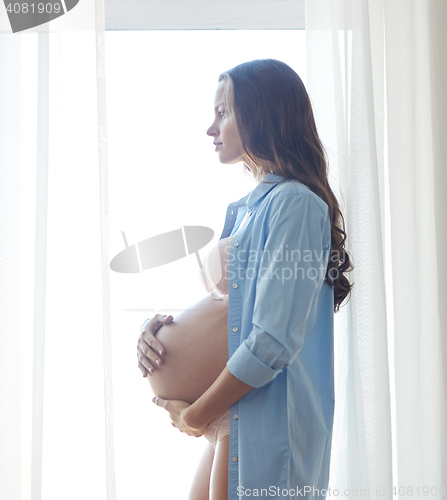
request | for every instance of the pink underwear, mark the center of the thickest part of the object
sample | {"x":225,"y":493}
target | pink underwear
{"x":218,"y":428}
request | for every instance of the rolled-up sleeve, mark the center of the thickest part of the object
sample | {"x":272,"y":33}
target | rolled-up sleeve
{"x":291,"y":273}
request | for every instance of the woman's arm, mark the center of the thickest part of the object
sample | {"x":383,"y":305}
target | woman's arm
{"x":225,"y":391}
{"x":292,"y":268}
{"x":221,"y":395}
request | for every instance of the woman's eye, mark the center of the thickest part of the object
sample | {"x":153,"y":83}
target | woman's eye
{"x":221,"y":113}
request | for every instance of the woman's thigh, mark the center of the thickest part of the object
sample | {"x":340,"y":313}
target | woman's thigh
{"x":200,"y":488}
{"x":219,"y":471}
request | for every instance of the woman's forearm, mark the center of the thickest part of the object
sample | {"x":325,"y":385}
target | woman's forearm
{"x":223,"y":393}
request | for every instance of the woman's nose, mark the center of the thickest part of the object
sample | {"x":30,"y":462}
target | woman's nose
{"x":211,"y":130}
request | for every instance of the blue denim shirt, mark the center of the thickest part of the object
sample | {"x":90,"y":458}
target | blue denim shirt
{"x":280,"y":341}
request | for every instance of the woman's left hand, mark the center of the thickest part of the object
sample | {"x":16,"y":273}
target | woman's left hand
{"x":178,"y":412}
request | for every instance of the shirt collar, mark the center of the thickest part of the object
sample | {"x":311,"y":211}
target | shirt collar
{"x":267,"y":183}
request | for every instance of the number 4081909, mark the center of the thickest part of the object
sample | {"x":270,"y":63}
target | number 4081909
{"x":40,"y":8}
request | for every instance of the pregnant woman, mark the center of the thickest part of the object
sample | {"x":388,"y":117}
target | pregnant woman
{"x":250,"y":366}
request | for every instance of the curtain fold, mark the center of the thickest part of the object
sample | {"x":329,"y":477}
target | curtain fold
{"x":417,"y":263}
{"x":10,"y":271}
{"x":40,"y":257}
{"x":56,"y":393}
{"x":375,"y":74}
{"x":105,"y":257}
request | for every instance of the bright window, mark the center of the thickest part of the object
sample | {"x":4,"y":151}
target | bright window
{"x":163,"y":174}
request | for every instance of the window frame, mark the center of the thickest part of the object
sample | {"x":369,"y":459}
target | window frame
{"x":204,"y":14}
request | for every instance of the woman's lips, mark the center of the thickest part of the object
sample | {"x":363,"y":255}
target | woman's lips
{"x":218,"y":146}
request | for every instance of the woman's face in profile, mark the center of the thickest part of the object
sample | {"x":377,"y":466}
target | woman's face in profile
{"x":227,"y":141}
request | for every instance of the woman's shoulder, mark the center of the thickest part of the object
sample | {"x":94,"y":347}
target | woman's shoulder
{"x":295,"y":192}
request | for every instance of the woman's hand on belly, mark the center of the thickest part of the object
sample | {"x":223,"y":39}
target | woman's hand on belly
{"x":149,"y":349}
{"x":177,"y":409}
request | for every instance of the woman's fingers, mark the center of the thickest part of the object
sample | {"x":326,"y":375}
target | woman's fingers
{"x":144,"y":365}
{"x":176,"y":410}
{"x":164,"y":403}
{"x":150,"y":327}
{"x":142,"y":368}
{"x":147,"y":356}
{"x":149,"y":349}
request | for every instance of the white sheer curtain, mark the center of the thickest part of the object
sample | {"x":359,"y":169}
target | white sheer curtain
{"x":56,"y":427}
{"x":377,"y":78}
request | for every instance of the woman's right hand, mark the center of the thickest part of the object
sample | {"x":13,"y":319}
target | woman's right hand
{"x":149,"y":348}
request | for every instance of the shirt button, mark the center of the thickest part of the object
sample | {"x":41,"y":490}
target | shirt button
{"x":236,"y":245}
{"x":234,"y":459}
{"x":235,"y":329}
{"x":249,"y":213}
{"x":234,"y":285}
{"x":235,"y":416}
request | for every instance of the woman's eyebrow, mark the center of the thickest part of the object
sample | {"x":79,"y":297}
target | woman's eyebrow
{"x":220,"y":104}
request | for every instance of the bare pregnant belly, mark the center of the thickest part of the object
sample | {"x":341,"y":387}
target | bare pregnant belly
{"x":196,"y":351}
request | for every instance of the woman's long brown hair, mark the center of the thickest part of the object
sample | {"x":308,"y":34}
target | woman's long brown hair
{"x":276,"y":124}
